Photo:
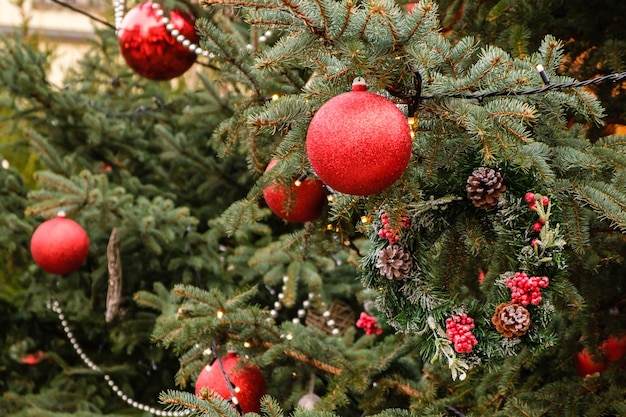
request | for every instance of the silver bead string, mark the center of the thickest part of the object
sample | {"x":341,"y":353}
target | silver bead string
{"x":55,"y":307}
{"x":119,"y":7}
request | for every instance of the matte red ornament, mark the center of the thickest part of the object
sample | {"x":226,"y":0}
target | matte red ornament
{"x":59,"y":246}
{"x":247,"y":380}
{"x":611,"y":350}
{"x":359,"y":142}
{"x":295,"y":203}
{"x":614,"y":348}
{"x":586,"y":365}
{"x":149,"y":49}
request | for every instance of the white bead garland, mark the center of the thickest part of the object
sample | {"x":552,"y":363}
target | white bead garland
{"x":54,"y":306}
{"x":306,"y":304}
{"x":119,"y":7}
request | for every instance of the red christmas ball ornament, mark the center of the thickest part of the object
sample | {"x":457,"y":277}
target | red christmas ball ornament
{"x":586,"y":365}
{"x":359,"y":142}
{"x":59,"y":246}
{"x":300,"y":202}
{"x":611,"y":350}
{"x":150,"y":49}
{"x":614,"y":348}
{"x":247,"y":381}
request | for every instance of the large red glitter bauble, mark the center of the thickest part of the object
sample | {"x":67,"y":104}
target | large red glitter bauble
{"x":59,"y":246}
{"x":149,"y":49}
{"x":247,"y":380}
{"x":295,"y":203}
{"x":359,"y":142}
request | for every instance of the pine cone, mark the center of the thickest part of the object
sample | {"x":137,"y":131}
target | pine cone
{"x":511,"y":319}
{"x":484,"y":187}
{"x":394,"y":262}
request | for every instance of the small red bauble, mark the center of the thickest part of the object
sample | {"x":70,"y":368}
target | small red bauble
{"x":149,"y":49}
{"x":248,"y":382}
{"x":611,"y":350}
{"x":59,"y":246}
{"x":295,"y":203}
{"x":359,"y":142}
{"x":614,"y":348}
{"x":586,"y":365}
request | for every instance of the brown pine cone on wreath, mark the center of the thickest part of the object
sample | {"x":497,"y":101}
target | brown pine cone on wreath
{"x":484,"y":187}
{"x":394,"y":262}
{"x":511,"y":319}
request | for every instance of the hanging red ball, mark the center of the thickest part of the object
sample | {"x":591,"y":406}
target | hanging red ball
{"x":359,"y":142}
{"x":587,"y":365}
{"x":611,"y":350}
{"x":248,"y":382}
{"x":59,"y":246}
{"x":300,"y":202}
{"x":147,"y":46}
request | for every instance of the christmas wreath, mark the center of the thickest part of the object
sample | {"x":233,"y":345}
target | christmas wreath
{"x":468,"y":313}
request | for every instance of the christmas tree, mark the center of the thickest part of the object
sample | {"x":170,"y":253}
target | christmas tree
{"x":344,"y":208}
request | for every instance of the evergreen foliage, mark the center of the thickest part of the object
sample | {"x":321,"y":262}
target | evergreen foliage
{"x":178,"y":169}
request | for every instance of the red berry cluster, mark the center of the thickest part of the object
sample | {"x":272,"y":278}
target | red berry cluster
{"x":526,"y":290}
{"x":369,"y":324}
{"x":459,"y":330}
{"x":388,"y":232}
{"x":532,"y":201}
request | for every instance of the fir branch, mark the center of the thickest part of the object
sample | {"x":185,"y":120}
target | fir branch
{"x":425,"y":20}
{"x":84,"y":13}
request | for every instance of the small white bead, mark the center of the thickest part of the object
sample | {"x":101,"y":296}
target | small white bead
{"x":160,"y":12}
{"x":295,"y":320}
{"x":277,"y":305}
{"x":268,"y":33}
{"x":249,"y":47}
{"x":326,"y":313}
{"x":335,"y":331}
{"x":186,"y":43}
{"x":281,"y":295}
{"x":169,"y":27}
{"x":301,"y":313}
{"x":175,"y":32}
{"x":306,"y":304}
{"x":165,"y":20}
{"x":330,"y":323}
{"x":285,"y":279}
{"x":262,"y":38}
{"x":180,"y":38}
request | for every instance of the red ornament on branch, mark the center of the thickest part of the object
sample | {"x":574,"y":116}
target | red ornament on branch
{"x":152,"y":50}
{"x":59,"y":245}
{"x":248,"y":383}
{"x":359,"y":142}
{"x":611,"y":350}
{"x":300,"y":202}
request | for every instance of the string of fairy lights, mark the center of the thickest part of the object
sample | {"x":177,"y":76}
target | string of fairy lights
{"x":119,"y":7}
